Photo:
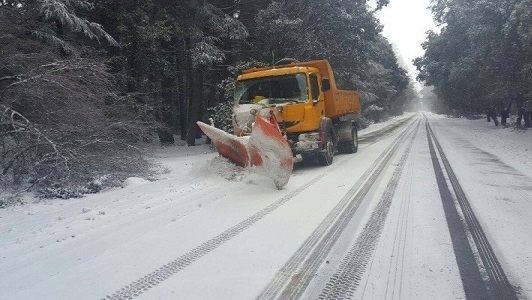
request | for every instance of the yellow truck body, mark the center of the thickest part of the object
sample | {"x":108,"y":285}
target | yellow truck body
{"x":316,"y":117}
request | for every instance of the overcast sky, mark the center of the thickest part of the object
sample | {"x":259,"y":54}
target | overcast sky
{"x":405,"y":23}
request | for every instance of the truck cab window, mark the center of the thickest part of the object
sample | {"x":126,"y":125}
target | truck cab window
{"x":273,"y":89}
{"x":314,"y":88}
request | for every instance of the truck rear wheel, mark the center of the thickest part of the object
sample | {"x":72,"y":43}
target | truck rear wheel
{"x":325,"y":158}
{"x":355,"y":140}
{"x":351,"y":146}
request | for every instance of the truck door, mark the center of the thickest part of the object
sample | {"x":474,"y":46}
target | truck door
{"x":317,"y":110}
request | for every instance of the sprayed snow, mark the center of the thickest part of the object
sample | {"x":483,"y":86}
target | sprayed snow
{"x":244,"y":119}
{"x":220,"y":167}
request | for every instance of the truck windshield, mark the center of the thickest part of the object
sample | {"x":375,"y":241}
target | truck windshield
{"x":273,"y":89}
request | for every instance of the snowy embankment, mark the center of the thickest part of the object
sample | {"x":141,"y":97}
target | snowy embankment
{"x":512,"y":145}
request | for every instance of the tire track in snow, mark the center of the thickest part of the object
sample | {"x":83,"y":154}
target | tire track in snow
{"x":396,"y":266}
{"x":150,"y":280}
{"x":293,"y":278}
{"x":497,"y":286}
{"x":346,"y":279}
{"x":143,"y":284}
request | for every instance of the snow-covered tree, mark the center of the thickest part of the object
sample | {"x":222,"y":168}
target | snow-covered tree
{"x":476,"y":62}
{"x":60,"y":123}
{"x":346,"y":33}
{"x":171,"y":53}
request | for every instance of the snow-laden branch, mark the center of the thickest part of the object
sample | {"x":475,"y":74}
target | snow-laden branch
{"x":60,"y":10}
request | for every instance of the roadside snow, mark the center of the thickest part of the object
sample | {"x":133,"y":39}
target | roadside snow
{"x":512,"y":145}
{"x":134,"y":181}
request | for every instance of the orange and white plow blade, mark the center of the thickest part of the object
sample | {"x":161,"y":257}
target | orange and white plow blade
{"x":266,"y":149}
{"x":229,"y":146}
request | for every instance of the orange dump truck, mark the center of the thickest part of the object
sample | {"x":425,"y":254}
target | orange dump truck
{"x":286,"y":113}
{"x":313,"y":114}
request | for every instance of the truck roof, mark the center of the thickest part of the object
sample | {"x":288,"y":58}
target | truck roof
{"x":266,"y":72}
{"x":322,"y":66}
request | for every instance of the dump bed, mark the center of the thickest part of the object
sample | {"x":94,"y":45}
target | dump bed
{"x":341,"y":102}
{"x":337,"y":102}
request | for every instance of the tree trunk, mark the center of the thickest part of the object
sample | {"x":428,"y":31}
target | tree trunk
{"x":504,"y":117}
{"x":520,"y":110}
{"x":505,"y":114}
{"x":171,"y":102}
{"x":196,"y":105}
{"x":492,"y":114}
{"x":527,"y":114}
{"x":166,"y":136}
{"x":184,"y":74}
{"x":520,"y":114}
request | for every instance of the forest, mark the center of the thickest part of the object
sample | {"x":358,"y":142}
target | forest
{"x":480,"y":61}
{"x":84,"y":85}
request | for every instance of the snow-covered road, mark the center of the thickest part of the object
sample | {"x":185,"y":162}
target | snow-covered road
{"x":429,"y":207}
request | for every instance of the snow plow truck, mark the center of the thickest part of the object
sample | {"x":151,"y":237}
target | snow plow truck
{"x":287,"y":113}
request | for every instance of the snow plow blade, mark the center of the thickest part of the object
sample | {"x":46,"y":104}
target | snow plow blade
{"x":266,"y":150}
{"x":229,"y":146}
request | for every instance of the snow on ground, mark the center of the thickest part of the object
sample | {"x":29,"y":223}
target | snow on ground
{"x":199,"y":194}
{"x":494,"y":167}
{"x":512,"y":145}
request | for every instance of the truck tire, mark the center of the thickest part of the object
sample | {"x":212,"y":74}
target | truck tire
{"x":325,"y":158}
{"x":348,"y":147}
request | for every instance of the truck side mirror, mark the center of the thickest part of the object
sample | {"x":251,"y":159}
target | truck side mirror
{"x":325,"y":84}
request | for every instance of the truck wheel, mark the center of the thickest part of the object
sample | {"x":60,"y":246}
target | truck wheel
{"x":326,"y":158}
{"x":351,"y":146}
{"x":355,"y":140}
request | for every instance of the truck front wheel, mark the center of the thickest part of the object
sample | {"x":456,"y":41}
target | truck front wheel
{"x":325,"y":158}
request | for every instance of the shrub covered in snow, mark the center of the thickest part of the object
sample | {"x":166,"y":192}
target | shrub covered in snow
{"x":67,"y":192}
{"x":9,"y":200}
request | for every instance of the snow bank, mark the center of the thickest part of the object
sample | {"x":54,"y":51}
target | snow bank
{"x":134,"y":181}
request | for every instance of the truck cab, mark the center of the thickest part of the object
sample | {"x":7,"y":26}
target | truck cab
{"x":293,"y":94}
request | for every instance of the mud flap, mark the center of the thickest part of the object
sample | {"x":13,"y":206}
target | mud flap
{"x":266,"y":149}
